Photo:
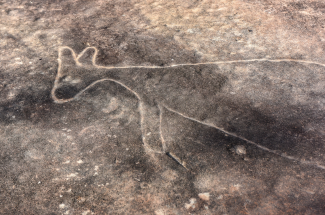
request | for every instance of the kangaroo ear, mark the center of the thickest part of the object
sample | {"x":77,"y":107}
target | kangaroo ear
{"x":88,"y":56}
{"x":67,"y":56}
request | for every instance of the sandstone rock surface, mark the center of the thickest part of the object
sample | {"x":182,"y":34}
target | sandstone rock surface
{"x":188,"y":107}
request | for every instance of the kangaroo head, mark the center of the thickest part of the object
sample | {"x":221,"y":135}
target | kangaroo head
{"x":74,"y":73}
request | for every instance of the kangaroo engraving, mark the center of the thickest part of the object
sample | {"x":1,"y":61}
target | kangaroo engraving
{"x":200,"y":92}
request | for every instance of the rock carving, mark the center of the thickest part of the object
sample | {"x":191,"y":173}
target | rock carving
{"x":78,"y":73}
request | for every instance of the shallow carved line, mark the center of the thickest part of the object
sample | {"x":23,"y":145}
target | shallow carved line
{"x":251,"y":142}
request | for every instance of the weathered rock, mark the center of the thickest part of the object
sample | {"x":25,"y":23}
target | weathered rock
{"x":214,"y":80}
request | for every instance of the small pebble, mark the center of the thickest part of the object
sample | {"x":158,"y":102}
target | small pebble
{"x":240,"y":150}
{"x":204,"y":196}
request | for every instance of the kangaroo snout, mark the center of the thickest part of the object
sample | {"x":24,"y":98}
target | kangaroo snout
{"x":71,"y":81}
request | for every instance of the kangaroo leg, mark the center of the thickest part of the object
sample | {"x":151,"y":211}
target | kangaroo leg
{"x":150,"y":126}
{"x":151,"y":119}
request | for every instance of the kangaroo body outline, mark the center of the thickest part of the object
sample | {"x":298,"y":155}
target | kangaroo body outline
{"x":199,"y":79}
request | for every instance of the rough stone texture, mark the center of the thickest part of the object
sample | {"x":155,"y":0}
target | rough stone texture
{"x":88,"y":156}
